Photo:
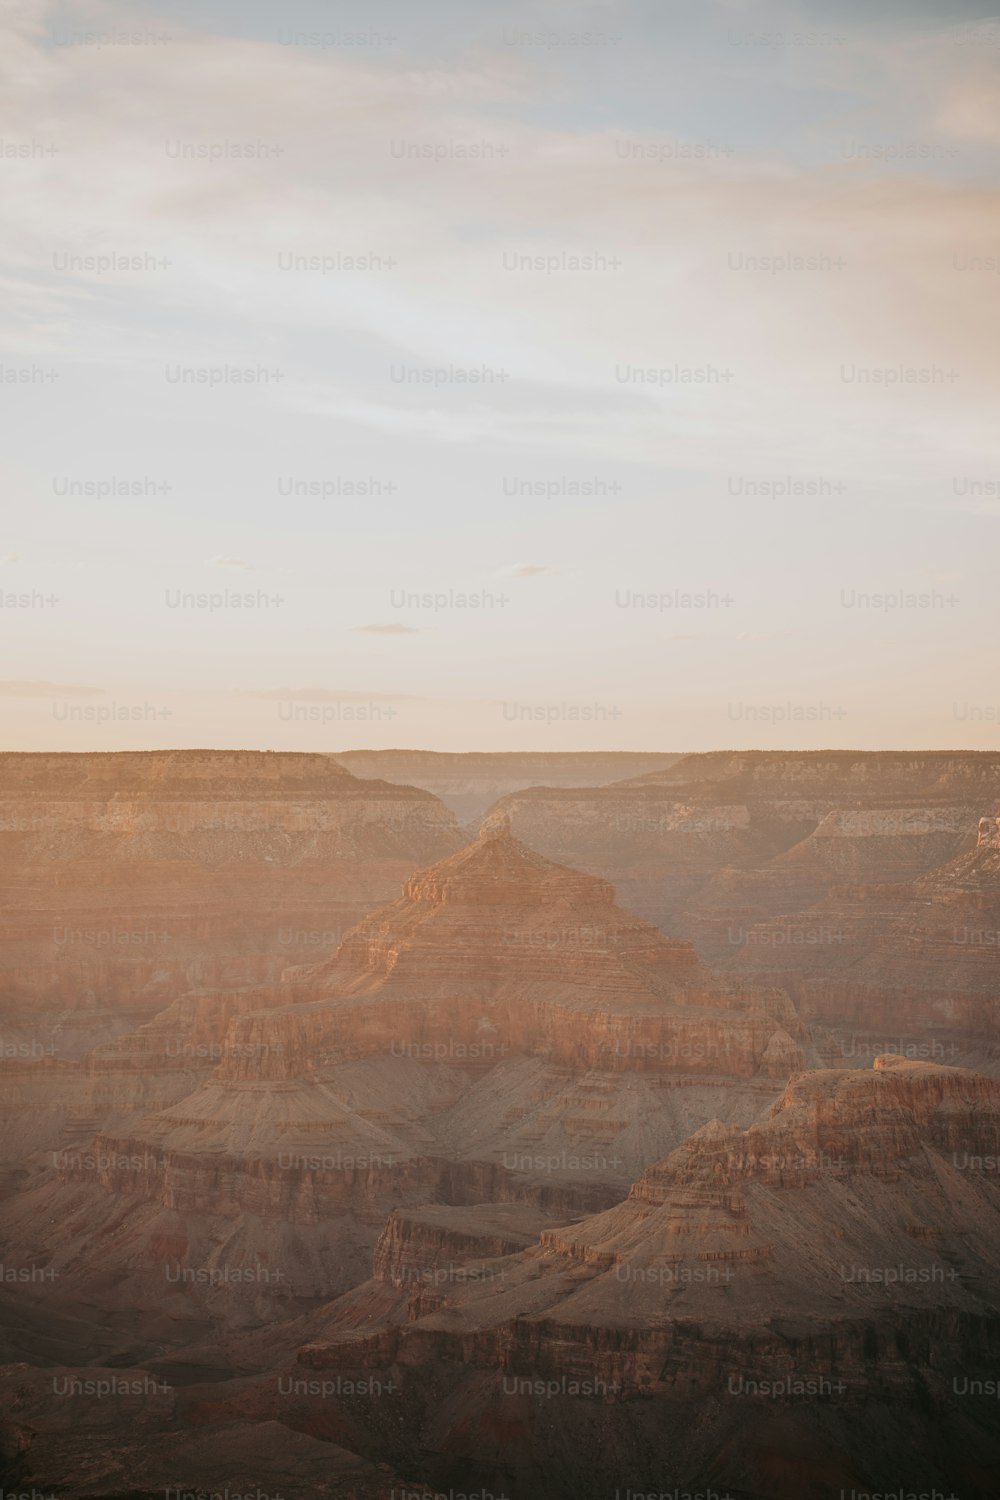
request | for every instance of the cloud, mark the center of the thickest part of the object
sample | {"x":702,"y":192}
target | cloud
{"x":559,"y":339}
{"x":331,"y":695}
{"x":15,"y":689}
{"x":590,"y":367}
{"x":386,"y":629}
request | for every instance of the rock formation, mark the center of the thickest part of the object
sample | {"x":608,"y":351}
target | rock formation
{"x":504,"y":1032}
{"x":129,"y":880}
{"x":504,"y":1189}
{"x":715,"y":843}
{"x":822,"y":1283}
{"x":989,"y":833}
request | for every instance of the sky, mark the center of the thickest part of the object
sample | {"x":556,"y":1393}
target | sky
{"x":551,"y":376}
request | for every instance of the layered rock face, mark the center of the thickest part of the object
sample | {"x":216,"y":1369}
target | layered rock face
{"x":915,"y":965}
{"x":130,"y":878}
{"x":504,"y":1033}
{"x":434,"y":1246}
{"x":715,"y":844}
{"x":589,"y":1224}
{"x":821,"y":1286}
{"x":501,"y":924}
{"x":470,"y":783}
{"x":524,"y":975}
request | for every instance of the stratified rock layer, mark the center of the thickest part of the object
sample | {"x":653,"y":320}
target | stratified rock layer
{"x":715,"y":843}
{"x":822,"y":1281}
{"x":130,"y":878}
{"x":503,"y":1033}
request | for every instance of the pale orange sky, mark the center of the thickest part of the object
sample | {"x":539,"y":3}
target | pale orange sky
{"x":571,"y":376}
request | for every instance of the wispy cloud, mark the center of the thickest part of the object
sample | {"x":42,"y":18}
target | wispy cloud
{"x":330,"y":695}
{"x":22,"y":689}
{"x":656,"y":413}
{"x":386,"y":629}
{"x":531,"y":570}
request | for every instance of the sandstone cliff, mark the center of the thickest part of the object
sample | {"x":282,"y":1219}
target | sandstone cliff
{"x":713,"y":843}
{"x":130,"y":878}
{"x":778,"y":1289}
{"x":503,"y":1033}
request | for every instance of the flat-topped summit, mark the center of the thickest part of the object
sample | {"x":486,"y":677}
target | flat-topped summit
{"x":470,"y":782}
{"x":129,"y":879}
{"x":906,"y":772}
{"x":223,"y":775}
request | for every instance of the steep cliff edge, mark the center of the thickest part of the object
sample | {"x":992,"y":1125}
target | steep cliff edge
{"x":825,"y":1281}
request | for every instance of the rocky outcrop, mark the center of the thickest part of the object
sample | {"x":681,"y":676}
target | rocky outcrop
{"x":436,"y":1246}
{"x":988,"y":836}
{"x":560,"y":1039}
{"x":839,"y":1257}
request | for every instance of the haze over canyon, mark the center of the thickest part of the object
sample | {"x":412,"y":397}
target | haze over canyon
{"x":500,"y":776}
{"x":399,"y":1123}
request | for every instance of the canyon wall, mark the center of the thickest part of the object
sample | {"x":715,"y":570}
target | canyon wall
{"x":131,"y":878}
{"x":469,"y":783}
{"x":716,"y":841}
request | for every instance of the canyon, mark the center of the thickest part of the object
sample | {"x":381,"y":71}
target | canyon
{"x":503,"y":1032}
{"x":569,"y":1158}
{"x":777,"y":1302}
